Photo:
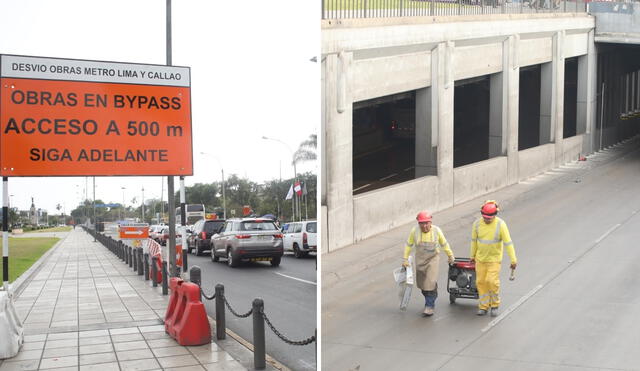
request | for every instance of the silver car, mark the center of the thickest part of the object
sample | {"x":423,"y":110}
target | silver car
{"x":249,"y":239}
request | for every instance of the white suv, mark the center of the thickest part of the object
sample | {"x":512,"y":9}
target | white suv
{"x":300,"y":237}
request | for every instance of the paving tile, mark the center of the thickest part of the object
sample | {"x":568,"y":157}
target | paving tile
{"x":20,"y":365}
{"x":212,"y":357}
{"x":58,"y":362}
{"x":28,"y":355}
{"x":112,"y":366}
{"x":50,"y":344}
{"x":96,"y":340}
{"x":170,"y":351}
{"x":60,"y":352}
{"x":127,"y":337}
{"x":177,"y":361}
{"x":129,"y":355}
{"x":160,"y":343}
{"x":139,"y":365}
{"x":211,"y":347}
{"x":156,"y":335}
{"x":131,"y":345}
{"x":35,"y":338}
{"x":64,"y":323}
{"x":123,"y":331}
{"x":186,"y":368}
{"x":89,"y":334}
{"x":32,"y":346}
{"x":225,"y":366}
{"x":88,"y":359}
{"x":96,"y":348}
{"x":152,"y":329}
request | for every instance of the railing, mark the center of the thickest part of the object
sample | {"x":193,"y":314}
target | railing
{"x":345,"y":9}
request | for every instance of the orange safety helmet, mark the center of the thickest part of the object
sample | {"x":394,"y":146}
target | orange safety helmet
{"x":489,"y":209}
{"x":423,"y":217}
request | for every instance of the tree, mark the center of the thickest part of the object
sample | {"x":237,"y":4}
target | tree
{"x":307,"y":150}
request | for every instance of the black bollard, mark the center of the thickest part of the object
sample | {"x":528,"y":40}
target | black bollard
{"x":134,"y":252}
{"x":130,"y":252}
{"x":154,"y":271}
{"x":146,"y":266}
{"x":140,"y":265}
{"x":185,"y":264}
{"x":259,"y":361}
{"x":195,"y":275}
{"x":126,"y":254}
{"x":221,"y":332}
{"x":165,"y":279}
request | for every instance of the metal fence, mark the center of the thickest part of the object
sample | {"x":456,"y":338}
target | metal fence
{"x":345,"y":9}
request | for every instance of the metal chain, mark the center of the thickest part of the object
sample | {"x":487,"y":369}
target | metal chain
{"x":283,"y":338}
{"x":205,"y":295}
{"x":234,"y":312}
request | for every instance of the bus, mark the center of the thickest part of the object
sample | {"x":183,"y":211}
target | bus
{"x":193,"y":212}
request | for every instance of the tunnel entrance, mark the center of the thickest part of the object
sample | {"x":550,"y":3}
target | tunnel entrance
{"x":471,"y":102}
{"x":529,"y":107}
{"x":383,"y":141}
{"x":570,"y":97}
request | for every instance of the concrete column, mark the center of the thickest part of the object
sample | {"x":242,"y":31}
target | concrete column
{"x":546,"y":103}
{"x":425,"y":135}
{"x":587,"y":94}
{"x":512,"y":98}
{"x":557,"y":120}
{"x":339,"y":149}
{"x":497,"y":113}
{"x":442,"y":89}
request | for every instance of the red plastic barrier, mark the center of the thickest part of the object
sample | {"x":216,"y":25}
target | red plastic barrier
{"x":186,"y":318}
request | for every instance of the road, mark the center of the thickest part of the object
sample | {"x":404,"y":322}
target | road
{"x":289,"y":294}
{"x":572,"y":306}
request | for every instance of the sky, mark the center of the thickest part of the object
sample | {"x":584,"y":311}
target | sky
{"x":251,"y":76}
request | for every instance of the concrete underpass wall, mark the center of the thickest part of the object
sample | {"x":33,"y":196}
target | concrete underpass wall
{"x":365,"y":59}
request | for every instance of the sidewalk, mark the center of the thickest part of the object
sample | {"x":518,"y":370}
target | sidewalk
{"x":351,"y":260}
{"x":84,"y":309}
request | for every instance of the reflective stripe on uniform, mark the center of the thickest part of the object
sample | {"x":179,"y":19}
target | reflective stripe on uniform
{"x":508,"y":243}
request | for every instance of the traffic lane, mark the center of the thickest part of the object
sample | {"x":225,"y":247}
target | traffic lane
{"x":540,"y":251}
{"x":289,"y":304}
{"x":585,"y":317}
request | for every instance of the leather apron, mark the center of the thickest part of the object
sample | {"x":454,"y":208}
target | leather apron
{"x":427,"y":259}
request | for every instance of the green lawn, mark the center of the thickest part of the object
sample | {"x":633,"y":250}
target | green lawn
{"x":54,"y":229}
{"x":23,"y":252}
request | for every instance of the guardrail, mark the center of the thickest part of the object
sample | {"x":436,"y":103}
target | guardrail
{"x":346,"y":9}
{"x":140,"y":263}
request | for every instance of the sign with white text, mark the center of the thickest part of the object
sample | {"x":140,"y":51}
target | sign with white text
{"x":63,"y":117}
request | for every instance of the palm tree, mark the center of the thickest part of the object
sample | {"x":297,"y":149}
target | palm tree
{"x":307,"y":150}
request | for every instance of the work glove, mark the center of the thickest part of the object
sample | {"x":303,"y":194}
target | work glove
{"x":513,"y":265}
{"x":472,"y":259}
{"x":451,"y":259}
{"x":405,"y":263}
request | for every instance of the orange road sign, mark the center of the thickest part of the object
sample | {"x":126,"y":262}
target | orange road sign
{"x":134,"y":232}
{"x":61,"y":117}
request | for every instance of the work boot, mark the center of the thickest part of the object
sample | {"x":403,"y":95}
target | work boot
{"x":481,"y":312}
{"x":428,"y":312}
{"x":495,"y":311}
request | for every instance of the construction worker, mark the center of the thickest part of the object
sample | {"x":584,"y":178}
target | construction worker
{"x":489,"y":235}
{"x":427,"y":240}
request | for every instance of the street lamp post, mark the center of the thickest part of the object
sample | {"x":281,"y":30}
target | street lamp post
{"x":224,"y":198}
{"x":295,"y":172}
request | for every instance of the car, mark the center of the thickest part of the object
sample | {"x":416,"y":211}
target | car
{"x":154,"y":231}
{"x":252,"y":239}
{"x":200,"y":237}
{"x":301,"y":238}
{"x":163,"y":235}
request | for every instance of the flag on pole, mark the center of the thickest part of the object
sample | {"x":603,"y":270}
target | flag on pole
{"x":298,"y":188}
{"x":290,"y":193}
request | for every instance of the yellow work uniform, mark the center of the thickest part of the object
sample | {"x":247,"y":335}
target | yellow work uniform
{"x":487,"y":244}
{"x":427,"y":246}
